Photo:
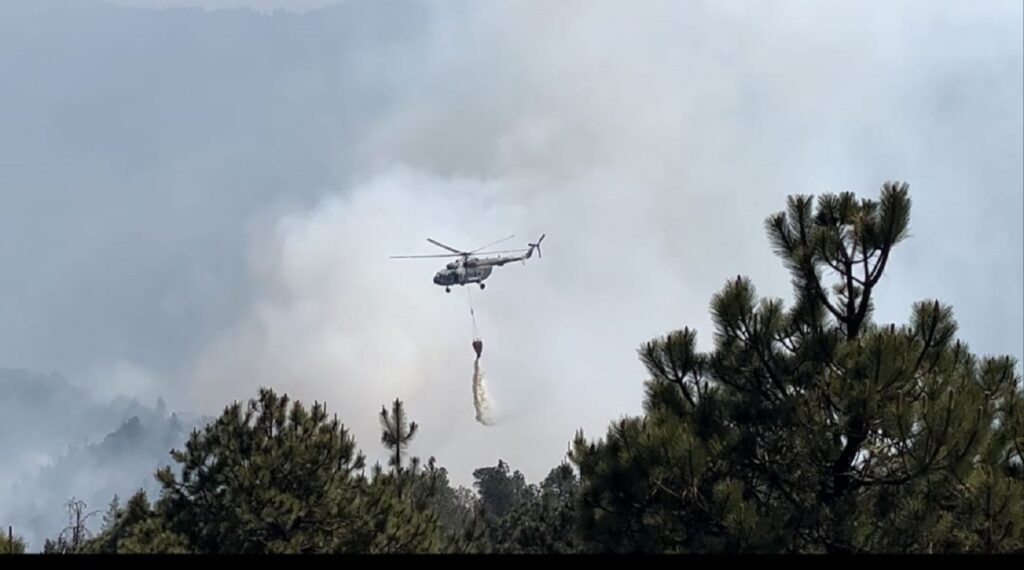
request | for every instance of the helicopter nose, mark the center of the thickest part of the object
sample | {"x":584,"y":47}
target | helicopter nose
{"x":437,"y":278}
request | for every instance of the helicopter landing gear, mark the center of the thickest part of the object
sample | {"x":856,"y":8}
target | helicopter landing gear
{"x":447,"y":289}
{"x":481,"y":285}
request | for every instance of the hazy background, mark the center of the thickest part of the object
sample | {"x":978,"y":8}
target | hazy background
{"x":199,"y":197}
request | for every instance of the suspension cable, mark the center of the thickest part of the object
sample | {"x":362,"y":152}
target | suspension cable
{"x":472,"y":313}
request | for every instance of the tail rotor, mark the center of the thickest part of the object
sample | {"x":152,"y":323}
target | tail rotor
{"x":537,"y":246}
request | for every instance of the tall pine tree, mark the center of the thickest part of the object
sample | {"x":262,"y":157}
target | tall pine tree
{"x":402,"y":501}
{"x":813,"y":428}
{"x":396,"y":433}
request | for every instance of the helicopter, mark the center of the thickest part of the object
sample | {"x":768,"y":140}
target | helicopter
{"x":469,"y":268}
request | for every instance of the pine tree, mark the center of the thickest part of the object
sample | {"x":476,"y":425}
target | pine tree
{"x":110,"y":517}
{"x":402,"y":502}
{"x":396,"y":433}
{"x":815,"y":429}
{"x":505,"y":499}
{"x":276,"y":478}
{"x":500,"y":489}
{"x":137,"y":528}
{"x":11,"y":543}
{"x":272,"y":477}
{"x":545,"y":522}
{"x":454,"y":507}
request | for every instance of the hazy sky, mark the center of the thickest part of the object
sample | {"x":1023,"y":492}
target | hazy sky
{"x":197,"y":202}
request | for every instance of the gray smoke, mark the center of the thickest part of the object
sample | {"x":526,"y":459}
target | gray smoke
{"x":196,"y":218}
{"x":59,"y":443}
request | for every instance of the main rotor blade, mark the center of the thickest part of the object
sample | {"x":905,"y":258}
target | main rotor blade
{"x":420,"y":256}
{"x":493,"y":243}
{"x":451,"y":249}
{"x":502,"y":251}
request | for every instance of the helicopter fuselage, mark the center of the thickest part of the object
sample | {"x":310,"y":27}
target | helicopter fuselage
{"x":462,"y":275}
{"x":465,"y":271}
